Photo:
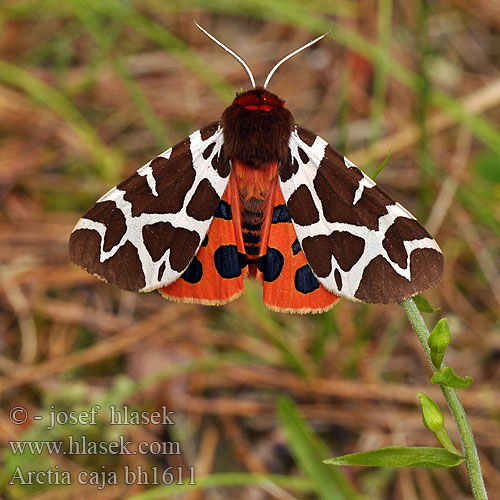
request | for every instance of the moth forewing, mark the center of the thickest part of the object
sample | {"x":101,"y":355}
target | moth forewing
{"x":143,"y":233}
{"x":359,"y":242}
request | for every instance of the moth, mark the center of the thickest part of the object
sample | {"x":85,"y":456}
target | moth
{"x":256,"y":195}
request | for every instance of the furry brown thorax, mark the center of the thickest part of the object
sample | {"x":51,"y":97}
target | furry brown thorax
{"x":257,"y":128}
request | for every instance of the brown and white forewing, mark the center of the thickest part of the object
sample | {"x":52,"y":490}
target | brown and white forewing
{"x":358,"y":241}
{"x":143,"y":233}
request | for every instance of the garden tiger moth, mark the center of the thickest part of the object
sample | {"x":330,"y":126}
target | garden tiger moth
{"x":255,"y":194}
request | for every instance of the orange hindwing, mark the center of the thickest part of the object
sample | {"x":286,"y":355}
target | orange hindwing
{"x":289,"y":284}
{"x":215,"y":275}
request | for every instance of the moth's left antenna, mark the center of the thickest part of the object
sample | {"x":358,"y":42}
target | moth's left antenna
{"x":227,"y":49}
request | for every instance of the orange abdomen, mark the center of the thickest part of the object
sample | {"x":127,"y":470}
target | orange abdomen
{"x":256,"y":191}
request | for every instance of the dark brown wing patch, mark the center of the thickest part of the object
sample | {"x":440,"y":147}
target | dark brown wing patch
{"x":107,"y":213}
{"x":337,"y":186}
{"x":123,"y":269}
{"x":302,"y":208}
{"x":381,"y":281}
{"x":203,"y":203}
{"x":173,"y":177}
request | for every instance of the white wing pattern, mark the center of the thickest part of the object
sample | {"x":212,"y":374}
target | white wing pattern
{"x":143,"y":233}
{"x":358,"y":241}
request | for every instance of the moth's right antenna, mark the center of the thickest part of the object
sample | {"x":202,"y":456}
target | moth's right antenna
{"x":300,"y":49}
{"x":234,"y":54}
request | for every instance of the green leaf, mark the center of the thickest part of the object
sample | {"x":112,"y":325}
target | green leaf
{"x":309,"y":452}
{"x":423,"y":304}
{"x":446,"y":376}
{"x":400,"y":456}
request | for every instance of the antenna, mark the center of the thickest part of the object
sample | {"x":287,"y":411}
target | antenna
{"x":236,"y":56}
{"x":289,"y":56}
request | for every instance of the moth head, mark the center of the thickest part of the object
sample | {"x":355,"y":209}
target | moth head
{"x":245,"y":65}
{"x":258,"y":99}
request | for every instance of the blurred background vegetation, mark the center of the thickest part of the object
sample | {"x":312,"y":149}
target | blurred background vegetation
{"x":92,"y":89}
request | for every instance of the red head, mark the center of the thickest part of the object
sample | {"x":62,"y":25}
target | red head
{"x":258,"y":99}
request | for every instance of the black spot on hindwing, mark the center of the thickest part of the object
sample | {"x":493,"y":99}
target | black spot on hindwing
{"x":194,"y":272}
{"x":271,"y":264}
{"x":223,"y":210}
{"x":280,"y":214}
{"x":305,"y":281}
{"x":296,"y":247}
{"x":228,"y":261}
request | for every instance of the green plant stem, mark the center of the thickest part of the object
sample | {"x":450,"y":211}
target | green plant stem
{"x":456,"y":408}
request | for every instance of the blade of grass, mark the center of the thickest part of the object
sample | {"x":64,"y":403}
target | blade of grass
{"x":106,"y":39}
{"x":123,"y":12}
{"x":384,"y":26}
{"x":265,"y":321}
{"x":309,"y":452}
{"x":426,"y":164}
{"x":108,"y":162}
{"x":382,"y":165}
